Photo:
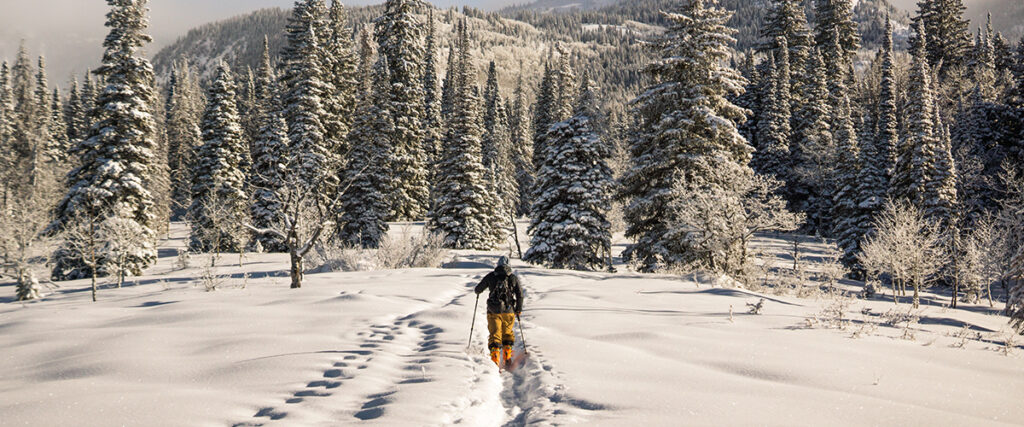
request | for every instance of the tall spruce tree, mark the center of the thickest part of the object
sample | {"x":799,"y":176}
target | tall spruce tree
{"x":547,"y":95}
{"x":304,"y":111}
{"x":569,"y":225}
{"x":365,"y":203}
{"x":219,"y":202}
{"x":847,"y":213}
{"x":491,"y":118}
{"x":400,"y":37}
{"x":521,"y":146}
{"x":812,"y":147}
{"x":888,"y":124}
{"x":342,"y":63}
{"x":184,"y":113}
{"x":949,"y":38}
{"x":686,"y":138}
{"x":432,"y":117}
{"x":269,"y":157}
{"x":74,"y":117}
{"x":773,"y":154}
{"x":464,"y":211}
{"x":7,"y":153}
{"x":835,"y":31}
{"x":118,"y":156}
{"x":909,"y":178}
{"x":786,"y":19}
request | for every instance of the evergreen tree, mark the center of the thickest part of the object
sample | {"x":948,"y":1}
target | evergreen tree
{"x":7,"y":146}
{"x":304,"y":91}
{"x":42,"y":105}
{"x":542,"y":119}
{"x":117,"y":158}
{"x":448,"y":88}
{"x":812,"y":147}
{"x":269,"y":158}
{"x":74,"y":118}
{"x":58,"y":129}
{"x":565,"y":81}
{"x":835,"y":31}
{"x":342,"y":66}
{"x":183,"y":135}
{"x":399,"y":35}
{"x":219,"y":203}
{"x":464,"y":209}
{"x":522,"y":147}
{"x":365,"y":203}
{"x":888,"y":125}
{"x":786,"y":19}
{"x":686,"y":147}
{"x":569,"y":225}
{"x":773,"y":155}
{"x":492,"y":117}
{"x":432,"y":118}
{"x":948,"y":36}
{"x":847,"y":212}
{"x":939,"y":173}
{"x":908,"y":178}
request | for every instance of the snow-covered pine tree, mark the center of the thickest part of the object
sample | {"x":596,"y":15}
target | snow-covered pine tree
{"x":42,"y":105}
{"x":522,"y":147}
{"x":908,"y":178}
{"x":343,"y":64}
{"x":117,"y":158}
{"x":773,"y":156}
{"x":7,"y":153}
{"x":888,"y":125}
{"x":464,"y":210}
{"x":432,"y":118}
{"x":367,"y":173}
{"x":786,"y":19}
{"x":686,"y":135}
{"x":846,"y":212}
{"x":58,"y":151}
{"x":940,"y":173}
{"x":547,"y":95}
{"x":949,"y":38}
{"x":750,"y":98}
{"x":219,"y":203}
{"x":28,"y":137}
{"x":183,"y":135}
{"x":565,"y":80}
{"x":493,"y":115}
{"x":269,"y":154}
{"x":835,"y":31}
{"x":569,"y":225}
{"x":303,"y":107}
{"x":74,"y":118}
{"x":400,"y":37}
{"x":813,"y":147}
{"x":269,"y":157}
{"x":448,"y":89}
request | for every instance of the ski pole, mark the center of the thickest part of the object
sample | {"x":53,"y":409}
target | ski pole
{"x":473,"y":322}
{"x":521,"y":334}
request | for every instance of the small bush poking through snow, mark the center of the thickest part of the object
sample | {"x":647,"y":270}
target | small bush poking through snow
{"x":423,"y":251}
{"x":755,"y":308}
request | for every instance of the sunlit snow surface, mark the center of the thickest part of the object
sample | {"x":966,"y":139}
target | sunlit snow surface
{"x":390,"y":348}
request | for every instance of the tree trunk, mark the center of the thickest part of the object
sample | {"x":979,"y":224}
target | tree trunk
{"x":296,"y":272}
{"x":515,"y":234}
{"x":956,"y":291}
{"x":94,"y":267}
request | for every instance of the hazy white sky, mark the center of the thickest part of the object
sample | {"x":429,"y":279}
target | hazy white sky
{"x":70,"y":32}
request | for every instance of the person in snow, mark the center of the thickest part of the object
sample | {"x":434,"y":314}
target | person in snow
{"x":504,"y":304}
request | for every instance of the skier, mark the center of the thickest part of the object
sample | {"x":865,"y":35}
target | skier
{"x":504,"y":304}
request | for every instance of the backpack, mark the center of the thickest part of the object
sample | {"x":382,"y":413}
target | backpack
{"x":502,"y":291}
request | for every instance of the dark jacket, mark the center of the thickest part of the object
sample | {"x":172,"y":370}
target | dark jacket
{"x":499,"y":302}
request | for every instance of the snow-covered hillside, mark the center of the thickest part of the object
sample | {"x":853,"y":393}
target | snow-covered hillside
{"x":390,"y":348}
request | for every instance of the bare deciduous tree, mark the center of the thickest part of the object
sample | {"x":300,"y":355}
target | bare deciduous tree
{"x":906,"y":246}
{"x":83,"y":239}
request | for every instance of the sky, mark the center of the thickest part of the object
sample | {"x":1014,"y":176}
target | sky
{"x":70,"y":32}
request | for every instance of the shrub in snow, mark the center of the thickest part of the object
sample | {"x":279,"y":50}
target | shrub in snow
{"x":906,"y":247}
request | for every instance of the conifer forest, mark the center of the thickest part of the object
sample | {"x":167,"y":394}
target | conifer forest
{"x":852,"y":165}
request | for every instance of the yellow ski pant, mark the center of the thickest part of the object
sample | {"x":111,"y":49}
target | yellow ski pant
{"x":500,"y":327}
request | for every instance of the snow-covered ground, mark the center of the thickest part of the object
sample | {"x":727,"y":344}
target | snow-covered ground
{"x":390,"y":348}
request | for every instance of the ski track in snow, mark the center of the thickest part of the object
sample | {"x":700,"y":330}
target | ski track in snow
{"x":395,"y":355}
